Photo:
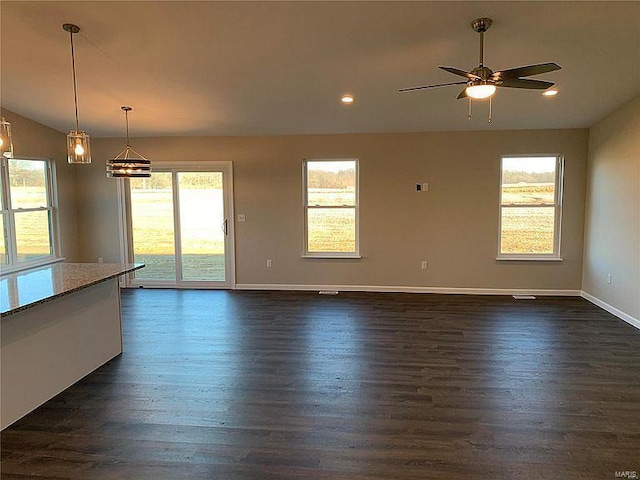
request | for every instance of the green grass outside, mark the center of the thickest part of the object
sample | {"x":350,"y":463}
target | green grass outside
{"x":209,"y":268}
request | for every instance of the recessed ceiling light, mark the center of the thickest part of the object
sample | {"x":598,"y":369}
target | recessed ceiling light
{"x":552,"y":92}
{"x":347,"y":99}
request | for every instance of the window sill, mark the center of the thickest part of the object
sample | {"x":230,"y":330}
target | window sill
{"x":529,"y":259}
{"x":332,"y":257}
{"x":29,"y":266}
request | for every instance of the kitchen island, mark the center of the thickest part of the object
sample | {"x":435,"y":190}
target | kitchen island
{"x":58,"y":323}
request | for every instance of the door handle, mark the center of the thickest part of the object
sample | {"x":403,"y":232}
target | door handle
{"x":225,"y":226}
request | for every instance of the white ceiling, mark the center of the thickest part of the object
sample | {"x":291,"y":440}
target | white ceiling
{"x":267,"y":68}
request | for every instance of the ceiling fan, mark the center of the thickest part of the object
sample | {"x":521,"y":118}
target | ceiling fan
{"x":482,"y":82}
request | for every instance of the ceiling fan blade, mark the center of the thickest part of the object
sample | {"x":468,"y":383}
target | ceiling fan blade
{"x":422,"y":87}
{"x":462,"y":73}
{"x":524,"y":83}
{"x":463,"y":94}
{"x":526,"y":71}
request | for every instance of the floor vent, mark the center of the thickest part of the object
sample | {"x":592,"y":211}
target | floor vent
{"x":328,"y":292}
{"x":524,"y":297}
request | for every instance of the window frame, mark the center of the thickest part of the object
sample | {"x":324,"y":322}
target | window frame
{"x":8,"y":214}
{"x":557,"y":205}
{"x":306,"y":207}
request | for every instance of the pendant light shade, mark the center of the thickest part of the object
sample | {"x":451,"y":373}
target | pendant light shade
{"x":78,"y":147}
{"x":6,"y":142}
{"x":128,"y":163}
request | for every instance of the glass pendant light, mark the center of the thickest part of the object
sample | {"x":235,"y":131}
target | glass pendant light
{"x":78,"y":148}
{"x":6,"y":142}
{"x":124,"y":165}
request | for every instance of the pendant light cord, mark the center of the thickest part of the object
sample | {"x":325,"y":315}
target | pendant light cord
{"x":126,"y":119}
{"x":123,"y":156}
{"x":75,"y":83}
{"x":126,"y":111}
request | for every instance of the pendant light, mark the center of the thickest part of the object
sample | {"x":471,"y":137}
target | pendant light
{"x":78,"y":148}
{"x":124,"y":165}
{"x":6,"y":142}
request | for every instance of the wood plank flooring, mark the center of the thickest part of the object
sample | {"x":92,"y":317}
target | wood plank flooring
{"x":360,"y":386}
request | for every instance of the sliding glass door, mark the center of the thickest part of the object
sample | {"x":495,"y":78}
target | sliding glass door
{"x":180,"y":228}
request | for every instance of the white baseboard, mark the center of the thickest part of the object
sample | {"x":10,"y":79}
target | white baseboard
{"x":409,"y":289}
{"x":448,"y":291}
{"x":611,"y":309}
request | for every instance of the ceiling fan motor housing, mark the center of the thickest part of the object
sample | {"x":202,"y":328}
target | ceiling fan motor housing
{"x":483,"y":72}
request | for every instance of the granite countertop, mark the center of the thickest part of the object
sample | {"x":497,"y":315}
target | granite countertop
{"x":22,"y":290}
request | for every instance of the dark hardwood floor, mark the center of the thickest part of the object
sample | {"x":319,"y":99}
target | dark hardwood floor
{"x":291,"y":385}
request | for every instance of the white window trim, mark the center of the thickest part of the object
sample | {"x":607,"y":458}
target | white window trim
{"x":558,"y":197}
{"x":52,"y":208}
{"x":305,"y":206}
{"x":332,"y":255}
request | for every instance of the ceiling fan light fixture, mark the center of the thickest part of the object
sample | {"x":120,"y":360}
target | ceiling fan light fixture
{"x":481,"y":91}
{"x":551,"y":92}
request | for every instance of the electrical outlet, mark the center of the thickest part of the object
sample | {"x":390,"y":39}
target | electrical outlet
{"x":425,"y":187}
{"x":269,"y":263}
{"x":100,"y":261}
{"x":242,"y":218}
{"x":424,"y":265}
{"x":609,"y":278}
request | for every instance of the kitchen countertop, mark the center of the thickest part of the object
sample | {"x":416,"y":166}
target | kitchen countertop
{"x":22,"y":290}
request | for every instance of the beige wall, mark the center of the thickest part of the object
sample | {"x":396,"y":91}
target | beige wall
{"x":453,"y":226}
{"x":612,"y":231}
{"x":33,"y":140}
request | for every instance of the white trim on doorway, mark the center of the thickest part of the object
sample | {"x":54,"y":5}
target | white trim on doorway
{"x":175,"y":167}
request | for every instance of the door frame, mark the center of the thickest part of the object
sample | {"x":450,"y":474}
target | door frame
{"x":125,"y":225}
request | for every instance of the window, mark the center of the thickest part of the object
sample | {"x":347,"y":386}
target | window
{"x":331,"y":208}
{"x":27,"y":204}
{"x":530,"y":207}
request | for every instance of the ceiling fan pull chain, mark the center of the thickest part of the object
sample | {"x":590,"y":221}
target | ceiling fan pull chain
{"x":489,"y":109}
{"x":470,"y":101}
